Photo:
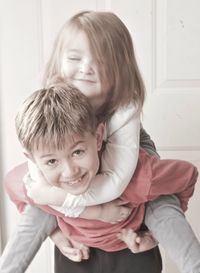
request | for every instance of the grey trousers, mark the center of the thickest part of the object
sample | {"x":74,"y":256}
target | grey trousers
{"x":167,"y":221}
{"x":33,"y":228}
{"x":163,"y":217}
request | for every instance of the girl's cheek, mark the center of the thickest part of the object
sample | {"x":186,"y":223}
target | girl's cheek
{"x":65,"y":71}
{"x":68,"y":70}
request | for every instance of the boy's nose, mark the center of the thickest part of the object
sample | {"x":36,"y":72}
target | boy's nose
{"x":70,"y":171}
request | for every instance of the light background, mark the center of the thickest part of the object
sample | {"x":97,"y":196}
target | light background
{"x":166,"y":37}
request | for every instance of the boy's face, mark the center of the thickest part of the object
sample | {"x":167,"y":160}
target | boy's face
{"x":73,"y":167}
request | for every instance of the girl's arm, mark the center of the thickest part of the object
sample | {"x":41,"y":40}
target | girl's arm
{"x":43,"y":193}
{"x":118,"y":163}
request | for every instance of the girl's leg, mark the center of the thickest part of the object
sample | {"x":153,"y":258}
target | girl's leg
{"x":123,"y":261}
{"x":168,"y":224}
{"x":33,"y":228}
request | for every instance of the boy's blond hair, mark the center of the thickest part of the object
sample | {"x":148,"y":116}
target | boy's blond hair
{"x":49,"y":116}
{"x":112,"y":48}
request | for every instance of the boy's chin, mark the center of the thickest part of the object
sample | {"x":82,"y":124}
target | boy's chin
{"x":75,"y":191}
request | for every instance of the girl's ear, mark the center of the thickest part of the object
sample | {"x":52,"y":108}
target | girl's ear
{"x":99,"y":135}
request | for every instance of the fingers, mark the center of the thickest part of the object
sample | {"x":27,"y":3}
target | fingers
{"x":73,"y":250}
{"x":129,"y":237}
{"x":85,"y":253}
{"x":83,"y":249}
{"x":138,"y":240}
{"x":73,"y":254}
{"x":138,"y":243}
{"x":69,"y":251}
{"x":120,"y":202}
{"x":148,"y":236}
{"x":124,"y":212}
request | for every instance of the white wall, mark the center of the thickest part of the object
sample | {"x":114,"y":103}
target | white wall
{"x":166,"y":36}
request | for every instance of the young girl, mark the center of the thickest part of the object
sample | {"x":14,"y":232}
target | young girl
{"x":94,"y":52}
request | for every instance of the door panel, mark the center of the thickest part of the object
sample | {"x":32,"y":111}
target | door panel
{"x":166,"y":36}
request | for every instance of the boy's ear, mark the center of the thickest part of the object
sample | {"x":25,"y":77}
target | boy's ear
{"x":99,"y":135}
{"x":28,"y":155}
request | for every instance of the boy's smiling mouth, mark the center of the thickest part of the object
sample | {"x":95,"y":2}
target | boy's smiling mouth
{"x":72,"y":181}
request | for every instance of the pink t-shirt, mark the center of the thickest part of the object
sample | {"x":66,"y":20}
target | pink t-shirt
{"x":153,"y":177}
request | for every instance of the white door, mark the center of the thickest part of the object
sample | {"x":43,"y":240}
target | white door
{"x":166,"y":36}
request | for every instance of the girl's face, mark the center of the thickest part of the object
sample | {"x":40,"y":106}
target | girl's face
{"x":79,"y":67}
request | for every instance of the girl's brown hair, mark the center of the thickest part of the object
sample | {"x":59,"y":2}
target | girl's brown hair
{"x":112,"y":48}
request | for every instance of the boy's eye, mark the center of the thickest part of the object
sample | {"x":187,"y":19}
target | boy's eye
{"x":51,"y":162}
{"x":78,"y":152}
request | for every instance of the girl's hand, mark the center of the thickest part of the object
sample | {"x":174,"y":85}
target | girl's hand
{"x":114,"y":211}
{"x":72,"y":249}
{"x":138,"y":242}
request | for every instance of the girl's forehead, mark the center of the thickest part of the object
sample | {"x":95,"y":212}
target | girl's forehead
{"x":73,"y":35}
{"x":79,"y":40}
{"x":76,"y":38}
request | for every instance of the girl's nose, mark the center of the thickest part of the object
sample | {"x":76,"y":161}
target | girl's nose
{"x":86,"y":67}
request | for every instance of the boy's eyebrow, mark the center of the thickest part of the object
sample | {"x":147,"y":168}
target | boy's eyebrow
{"x":77,"y":143}
{"x":71,"y":147}
{"x":47,"y":155}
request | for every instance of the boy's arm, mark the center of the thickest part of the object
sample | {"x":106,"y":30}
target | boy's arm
{"x":71,"y":249}
{"x":33,"y":228}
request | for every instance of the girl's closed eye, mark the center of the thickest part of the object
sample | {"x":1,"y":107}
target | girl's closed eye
{"x":74,"y":58}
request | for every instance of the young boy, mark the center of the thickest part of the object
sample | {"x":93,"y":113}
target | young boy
{"x":64,"y":144}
